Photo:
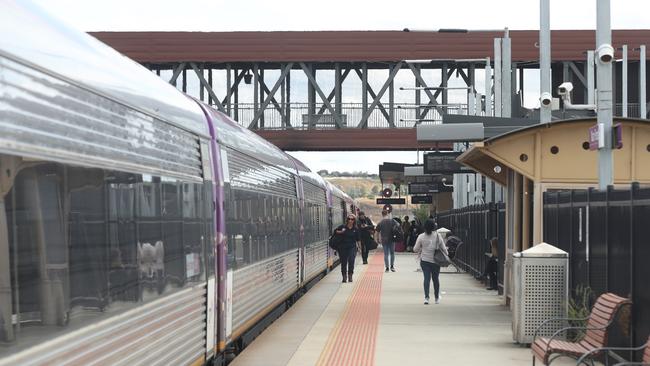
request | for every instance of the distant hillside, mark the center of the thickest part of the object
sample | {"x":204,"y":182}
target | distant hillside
{"x":357,"y":187}
{"x":366,"y":190}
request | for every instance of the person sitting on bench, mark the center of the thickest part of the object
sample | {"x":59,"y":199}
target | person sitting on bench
{"x":491,"y":267}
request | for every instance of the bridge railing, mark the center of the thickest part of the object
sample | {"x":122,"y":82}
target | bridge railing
{"x":633,"y":110}
{"x":404,"y":115}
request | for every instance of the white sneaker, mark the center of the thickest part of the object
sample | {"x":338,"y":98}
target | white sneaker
{"x":438,"y":301}
{"x":426,"y":301}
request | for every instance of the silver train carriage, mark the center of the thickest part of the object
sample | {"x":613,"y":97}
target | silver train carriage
{"x":137,"y":226}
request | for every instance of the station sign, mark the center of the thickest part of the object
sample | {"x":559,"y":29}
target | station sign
{"x":391,"y":201}
{"x":443,"y":163}
{"x":421,"y":199}
{"x":596,"y":136}
{"x":617,"y":136}
{"x":426,"y":188}
{"x":449,"y":178}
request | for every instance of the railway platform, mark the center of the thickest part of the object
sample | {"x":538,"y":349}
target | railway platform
{"x":380,"y":319}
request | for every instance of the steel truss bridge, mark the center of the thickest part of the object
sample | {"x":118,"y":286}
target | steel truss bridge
{"x":221,"y":68}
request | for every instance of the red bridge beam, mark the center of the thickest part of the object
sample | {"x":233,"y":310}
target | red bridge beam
{"x":349,"y":140}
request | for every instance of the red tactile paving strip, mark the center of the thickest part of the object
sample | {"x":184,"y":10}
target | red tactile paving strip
{"x":353,"y":339}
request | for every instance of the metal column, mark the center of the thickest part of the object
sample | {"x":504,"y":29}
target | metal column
{"x":311,"y":98}
{"x":418,"y":92}
{"x":391,"y":99}
{"x":338,"y":106}
{"x":591,"y":82}
{"x":604,"y":78}
{"x":287,"y":109}
{"x":544,"y":58}
{"x":488,"y":88}
{"x":256,"y":89}
{"x":445,"y":93}
{"x":624,"y":82}
{"x":497,"y":77}
{"x":642,"y":82}
{"x":506,"y":78}
{"x":364,"y":89}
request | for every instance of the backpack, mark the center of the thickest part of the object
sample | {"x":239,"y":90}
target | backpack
{"x":397,"y":233}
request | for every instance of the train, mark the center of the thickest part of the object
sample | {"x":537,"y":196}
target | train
{"x":139,"y":226}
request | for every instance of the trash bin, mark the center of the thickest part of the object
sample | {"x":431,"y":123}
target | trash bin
{"x":540,"y":290}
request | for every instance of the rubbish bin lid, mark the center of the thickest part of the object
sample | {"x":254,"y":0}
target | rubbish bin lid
{"x":543,"y":250}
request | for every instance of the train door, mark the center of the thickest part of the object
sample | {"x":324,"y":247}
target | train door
{"x":301,"y":251}
{"x":209,"y":231}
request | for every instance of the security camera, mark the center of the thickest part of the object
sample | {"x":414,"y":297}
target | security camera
{"x":605,"y":53}
{"x":565,"y":88}
{"x":546,"y":99}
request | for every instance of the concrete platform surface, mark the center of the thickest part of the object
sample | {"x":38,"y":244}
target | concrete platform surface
{"x":380,"y":319}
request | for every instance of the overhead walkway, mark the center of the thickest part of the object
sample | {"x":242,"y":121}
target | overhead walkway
{"x":380,"y":319}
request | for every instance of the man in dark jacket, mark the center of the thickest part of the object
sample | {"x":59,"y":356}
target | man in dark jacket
{"x":366,"y":231}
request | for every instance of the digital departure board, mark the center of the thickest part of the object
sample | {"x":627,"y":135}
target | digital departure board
{"x":421,"y":199}
{"x":425,"y":188}
{"x":391,"y":201}
{"x":443,"y":163}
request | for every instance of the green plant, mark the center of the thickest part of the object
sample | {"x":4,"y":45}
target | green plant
{"x":579,"y":309}
{"x":422,"y":212}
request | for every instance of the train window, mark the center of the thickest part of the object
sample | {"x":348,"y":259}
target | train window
{"x":85,"y":243}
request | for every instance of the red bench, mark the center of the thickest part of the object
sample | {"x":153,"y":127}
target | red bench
{"x":599,"y":321}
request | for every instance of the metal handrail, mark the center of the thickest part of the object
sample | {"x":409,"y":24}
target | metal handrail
{"x":404,"y":115}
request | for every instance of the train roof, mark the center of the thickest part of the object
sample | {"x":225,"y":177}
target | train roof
{"x":229,"y":133}
{"x":307,"y":175}
{"x":34,"y":38}
{"x":337,"y":192}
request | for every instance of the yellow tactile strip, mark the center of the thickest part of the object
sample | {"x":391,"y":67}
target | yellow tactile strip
{"x":353,"y":339}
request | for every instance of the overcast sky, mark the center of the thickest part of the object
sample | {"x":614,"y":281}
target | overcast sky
{"x":299,"y":15}
{"x":265,"y":15}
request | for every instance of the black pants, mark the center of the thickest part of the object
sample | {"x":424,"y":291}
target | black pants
{"x":347,"y":255}
{"x":364,"y":251}
{"x":491,"y":270}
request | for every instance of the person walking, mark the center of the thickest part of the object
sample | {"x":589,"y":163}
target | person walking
{"x":366,"y":229}
{"x":386,"y":228}
{"x":414,"y":231}
{"x":348,"y":247}
{"x":406,"y":229}
{"x":426,"y":245}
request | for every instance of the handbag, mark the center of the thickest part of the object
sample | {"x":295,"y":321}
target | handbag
{"x":371,"y":245}
{"x":335,"y":241}
{"x":439,"y":257}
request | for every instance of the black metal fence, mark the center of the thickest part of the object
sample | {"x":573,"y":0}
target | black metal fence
{"x":607,"y":236}
{"x":475,"y":225}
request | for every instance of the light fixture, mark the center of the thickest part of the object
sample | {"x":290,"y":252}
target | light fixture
{"x":497,"y":169}
{"x":248,"y":77}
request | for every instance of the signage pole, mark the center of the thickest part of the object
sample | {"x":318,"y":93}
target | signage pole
{"x":604,"y":80}
{"x":545,"y":58}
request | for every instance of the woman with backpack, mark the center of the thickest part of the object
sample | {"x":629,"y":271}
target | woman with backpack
{"x":426,"y":245}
